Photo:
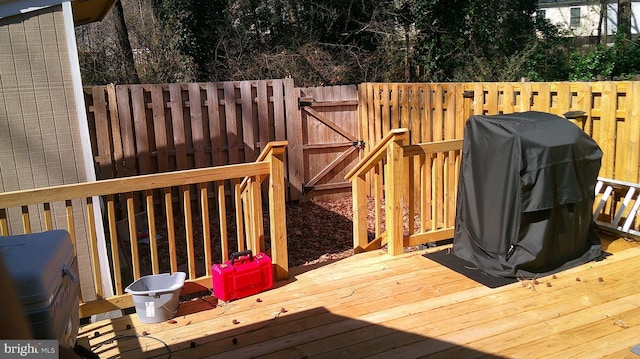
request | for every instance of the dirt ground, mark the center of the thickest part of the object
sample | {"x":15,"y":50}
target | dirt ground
{"x":319,"y":231}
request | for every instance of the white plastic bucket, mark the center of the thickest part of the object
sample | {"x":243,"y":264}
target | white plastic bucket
{"x":156,"y":296}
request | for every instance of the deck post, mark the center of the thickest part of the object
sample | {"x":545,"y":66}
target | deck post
{"x":393,"y":196}
{"x":278,"y":228}
{"x":359,"y":198}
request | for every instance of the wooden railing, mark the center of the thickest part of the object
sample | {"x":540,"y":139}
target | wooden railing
{"x":244,"y":180}
{"x":417,"y":181}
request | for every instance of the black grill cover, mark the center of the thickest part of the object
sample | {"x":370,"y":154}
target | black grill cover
{"x":525,"y":195}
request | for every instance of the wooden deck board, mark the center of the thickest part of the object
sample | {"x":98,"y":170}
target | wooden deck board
{"x":374,"y":305}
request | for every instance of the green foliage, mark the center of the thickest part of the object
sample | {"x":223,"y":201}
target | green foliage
{"x":620,"y":61}
{"x":627,"y":57}
{"x":473,"y":40}
{"x":344,"y":42}
{"x":194,"y":26}
{"x":318,"y":42}
{"x":548,"y":55}
{"x":587,"y":66}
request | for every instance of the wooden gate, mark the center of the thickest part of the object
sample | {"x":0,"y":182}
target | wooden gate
{"x":330,"y":139}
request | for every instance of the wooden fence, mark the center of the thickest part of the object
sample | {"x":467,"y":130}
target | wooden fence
{"x":138,"y":129}
{"x":609,"y":113}
{"x":435,"y":112}
{"x":141,"y":129}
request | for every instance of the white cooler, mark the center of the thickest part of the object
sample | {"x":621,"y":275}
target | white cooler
{"x":44,"y":271}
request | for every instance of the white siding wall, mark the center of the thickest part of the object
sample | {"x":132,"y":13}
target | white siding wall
{"x":560,"y":14}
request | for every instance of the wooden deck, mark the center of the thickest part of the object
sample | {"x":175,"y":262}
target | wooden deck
{"x":377,"y":306}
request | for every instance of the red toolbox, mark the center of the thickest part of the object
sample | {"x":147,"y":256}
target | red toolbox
{"x":242,"y":275}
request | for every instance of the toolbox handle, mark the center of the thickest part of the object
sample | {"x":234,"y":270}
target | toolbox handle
{"x":238,"y":255}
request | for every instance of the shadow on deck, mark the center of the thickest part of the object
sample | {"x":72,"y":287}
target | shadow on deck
{"x":311,"y":333}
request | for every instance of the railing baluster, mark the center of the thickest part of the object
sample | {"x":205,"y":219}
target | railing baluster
{"x":133,"y":236}
{"x":113,"y":236}
{"x":71,"y":228}
{"x":378,"y":196}
{"x":188,"y":228}
{"x":239,"y":219}
{"x":4,"y":223}
{"x":48,"y":222}
{"x":445,"y":188}
{"x":171,"y":229}
{"x":246,"y":217}
{"x":93,"y":243}
{"x":257,"y":211}
{"x":440,"y":190}
{"x":71,"y":225}
{"x":222,"y":214}
{"x":410,"y":197}
{"x":434,"y":193}
{"x":453,"y":189}
{"x":151,"y":228}
{"x":424,"y":200}
{"x":206,"y":230}
{"x":26,"y":222}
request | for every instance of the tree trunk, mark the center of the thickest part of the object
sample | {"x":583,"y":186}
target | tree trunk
{"x":624,"y":18}
{"x":123,"y":39}
{"x":407,"y":53}
{"x":601,"y":19}
{"x":606,"y":23}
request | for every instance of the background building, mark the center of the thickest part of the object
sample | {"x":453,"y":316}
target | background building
{"x":588,"y":18}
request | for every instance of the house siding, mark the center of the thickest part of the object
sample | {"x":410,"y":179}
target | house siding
{"x":40,"y":143}
{"x":559,"y":13}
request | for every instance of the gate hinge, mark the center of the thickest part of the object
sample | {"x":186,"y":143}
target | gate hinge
{"x":307,"y":189}
{"x":359,"y":144}
{"x":302,"y":103}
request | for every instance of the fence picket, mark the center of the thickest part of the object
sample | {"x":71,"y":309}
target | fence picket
{"x":160,"y":129}
{"x":294,"y":136}
{"x":214,"y":125}
{"x":607,"y":132}
{"x":140,"y":128}
{"x":249,"y":126}
{"x":265,"y":123}
{"x":631,"y":165}
{"x":197,"y":126}
{"x":102,"y":124}
{"x":231,"y":122}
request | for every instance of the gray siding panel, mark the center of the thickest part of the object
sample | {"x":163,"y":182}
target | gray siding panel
{"x":40,"y":142}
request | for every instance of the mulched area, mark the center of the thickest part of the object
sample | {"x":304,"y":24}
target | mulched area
{"x":317,"y":231}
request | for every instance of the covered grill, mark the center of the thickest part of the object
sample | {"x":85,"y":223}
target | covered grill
{"x":525,"y":195}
